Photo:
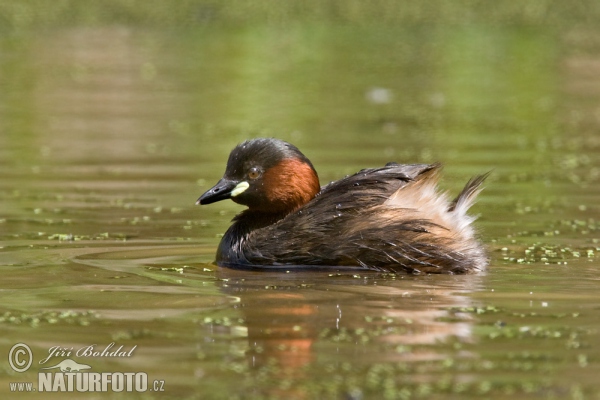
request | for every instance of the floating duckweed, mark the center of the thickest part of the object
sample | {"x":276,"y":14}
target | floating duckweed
{"x":49,"y":317}
{"x":551,"y":254}
{"x":484,"y":387}
{"x":168,"y":269}
{"x":99,"y":236}
{"x":527,"y":331}
{"x":61,"y":237}
{"x":385,"y":381}
{"x":448,"y":363}
{"x":402,"y":349}
{"x":582,"y":226}
{"x":475,"y":310}
{"x":362,"y":335}
{"x":233,"y":326}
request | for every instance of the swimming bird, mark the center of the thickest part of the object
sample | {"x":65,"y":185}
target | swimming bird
{"x":389,"y":219}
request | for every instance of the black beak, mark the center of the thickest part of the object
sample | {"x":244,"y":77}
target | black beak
{"x":221,"y":191}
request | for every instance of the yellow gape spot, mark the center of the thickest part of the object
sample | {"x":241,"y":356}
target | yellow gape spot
{"x":240,"y":188}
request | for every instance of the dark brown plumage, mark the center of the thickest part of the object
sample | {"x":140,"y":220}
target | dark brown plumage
{"x":385,"y":219}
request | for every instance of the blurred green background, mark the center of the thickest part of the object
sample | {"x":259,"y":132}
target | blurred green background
{"x":116,"y":115}
{"x":37,"y":14}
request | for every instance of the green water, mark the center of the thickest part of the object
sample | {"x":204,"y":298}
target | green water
{"x":115,"y":118}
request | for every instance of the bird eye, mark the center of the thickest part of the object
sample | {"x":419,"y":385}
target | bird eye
{"x":253,"y":173}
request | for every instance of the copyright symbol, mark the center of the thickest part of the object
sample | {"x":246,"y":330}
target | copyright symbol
{"x":20,"y":357}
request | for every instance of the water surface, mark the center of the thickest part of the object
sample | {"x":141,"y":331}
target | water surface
{"x":110,"y":132}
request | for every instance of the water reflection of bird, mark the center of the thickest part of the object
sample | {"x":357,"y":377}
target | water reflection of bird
{"x":309,"y":315}
{"x":387,"y":219}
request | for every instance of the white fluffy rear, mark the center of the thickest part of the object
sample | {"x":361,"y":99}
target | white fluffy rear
{"x":421,"y":196}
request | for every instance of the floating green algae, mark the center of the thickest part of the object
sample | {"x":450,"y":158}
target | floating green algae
{"x":546,"y":253}
{"x":49,"y":317}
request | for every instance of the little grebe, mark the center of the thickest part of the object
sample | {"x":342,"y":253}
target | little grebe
{"x":386,"y":219}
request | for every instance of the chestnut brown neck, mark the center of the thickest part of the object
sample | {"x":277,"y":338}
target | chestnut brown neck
{"x":288,"y":186}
